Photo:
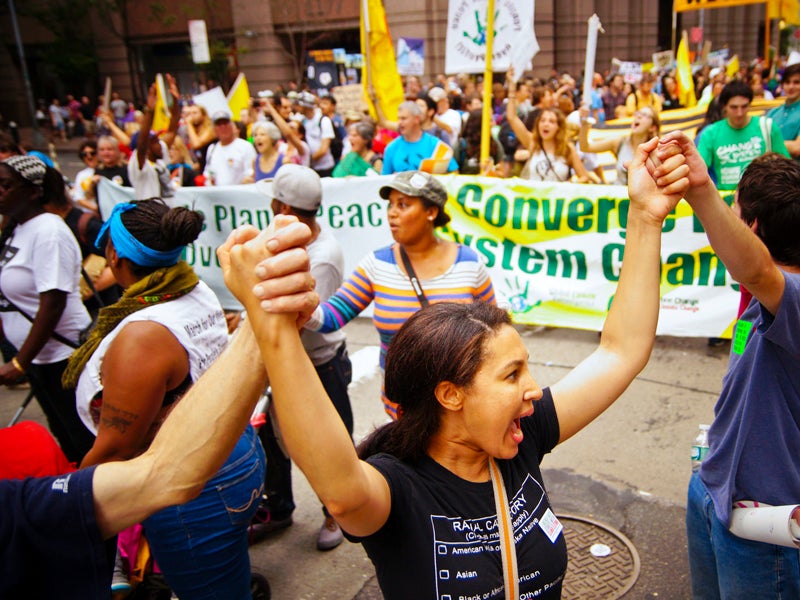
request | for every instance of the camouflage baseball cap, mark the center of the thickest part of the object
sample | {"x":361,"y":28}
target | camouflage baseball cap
{"x":418,"y":184}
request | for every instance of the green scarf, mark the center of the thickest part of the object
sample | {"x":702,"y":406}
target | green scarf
{"x":163,"y":285}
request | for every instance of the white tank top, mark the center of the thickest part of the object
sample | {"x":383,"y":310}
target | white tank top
{"x":548,"y":167}
{"x":197,"y":322}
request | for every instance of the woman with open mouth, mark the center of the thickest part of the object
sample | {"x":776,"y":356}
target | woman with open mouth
{"x":448,"y":500}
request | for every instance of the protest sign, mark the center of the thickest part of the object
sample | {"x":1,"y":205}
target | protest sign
{"x":349,"y":97}
{"x":663,"y":60}
{"x":410,"y":56}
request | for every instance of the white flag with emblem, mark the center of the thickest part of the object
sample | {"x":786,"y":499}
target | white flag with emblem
{"x":514,"y":40}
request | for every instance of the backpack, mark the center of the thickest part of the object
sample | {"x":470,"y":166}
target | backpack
{"x":507,"y":138}
{"x":337,"y":143}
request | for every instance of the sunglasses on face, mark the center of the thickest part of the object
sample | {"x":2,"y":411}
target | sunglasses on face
{"x":88,"y":153}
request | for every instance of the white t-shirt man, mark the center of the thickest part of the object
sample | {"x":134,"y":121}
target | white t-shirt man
{"x":229,"y":164}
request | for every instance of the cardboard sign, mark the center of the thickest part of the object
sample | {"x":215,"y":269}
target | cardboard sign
{"x":349,"y":97}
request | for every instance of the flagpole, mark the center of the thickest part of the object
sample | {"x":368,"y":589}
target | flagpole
{"x":367,"y":51}
{"x":591,"y":52}
{"x":486,"y":121}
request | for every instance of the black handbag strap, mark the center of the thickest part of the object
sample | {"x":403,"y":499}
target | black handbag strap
{"x":55,"y":335}
{"x":412,"y":276}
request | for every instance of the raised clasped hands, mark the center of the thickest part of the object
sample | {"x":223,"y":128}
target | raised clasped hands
{"x":657,"y":178}
{"x":268,"y":271}
{"x":698,"y":170}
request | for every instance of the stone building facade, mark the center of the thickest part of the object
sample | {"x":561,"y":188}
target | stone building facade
{"x":268,"y":40}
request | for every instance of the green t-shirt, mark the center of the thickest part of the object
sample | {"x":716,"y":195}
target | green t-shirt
{"x":728,"y":151}
{"x":353,"y":164}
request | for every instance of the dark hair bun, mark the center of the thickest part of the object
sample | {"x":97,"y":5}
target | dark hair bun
{"x":181,"y":226}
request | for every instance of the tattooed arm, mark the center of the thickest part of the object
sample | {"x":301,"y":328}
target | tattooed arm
{"x":142,"y":363}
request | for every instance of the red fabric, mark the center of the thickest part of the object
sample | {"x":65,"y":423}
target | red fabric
{"x":744,"y":299}
{"x":28,"y":450}
{"x":382,"y":139}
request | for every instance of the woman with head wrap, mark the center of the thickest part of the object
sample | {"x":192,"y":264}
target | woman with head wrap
{"x":144,"y":353}
{"x":40,"y":303}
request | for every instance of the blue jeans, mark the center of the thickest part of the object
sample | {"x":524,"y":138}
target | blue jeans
{"x":724,"y":566}
{"x":201,"y":546}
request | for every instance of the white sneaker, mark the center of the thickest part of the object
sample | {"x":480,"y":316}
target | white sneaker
{"x":330,"y":535}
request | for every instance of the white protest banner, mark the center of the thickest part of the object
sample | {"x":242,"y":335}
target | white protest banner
{"x":718,"y":58}
{"x":349,"y":97}
{"x":553,"y":250}
{"x":212,"y":100}
{"x":465,"y":44}
{"x":198,"y":40}
{"x":663,"y":60}
{"x":631,"y":71}
{"x":525,"y":47}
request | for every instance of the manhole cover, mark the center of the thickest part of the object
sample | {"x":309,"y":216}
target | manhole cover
{"x":603,"y":563}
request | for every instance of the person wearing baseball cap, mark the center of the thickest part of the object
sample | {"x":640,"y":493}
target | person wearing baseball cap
{"x":297,"y":190}
{"x":445,"y":117}
{"x":417,"y":269}
{"x":230,"y":160}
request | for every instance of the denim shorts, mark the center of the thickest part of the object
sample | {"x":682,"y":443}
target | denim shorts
{"x":201,"y":546}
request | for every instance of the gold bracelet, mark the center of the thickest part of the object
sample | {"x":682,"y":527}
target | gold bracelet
{"x":17,"y":366}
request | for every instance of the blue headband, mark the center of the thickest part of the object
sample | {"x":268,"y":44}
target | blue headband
{"x":128,"y":246}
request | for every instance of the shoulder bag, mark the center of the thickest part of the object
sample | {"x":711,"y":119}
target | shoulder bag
{"x":412,"y":276}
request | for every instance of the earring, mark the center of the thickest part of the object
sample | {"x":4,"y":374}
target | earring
{"x":430,"y":218}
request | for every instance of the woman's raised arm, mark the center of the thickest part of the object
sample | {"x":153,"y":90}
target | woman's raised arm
{"x":630,"y":327}
{"x":354,"y":492}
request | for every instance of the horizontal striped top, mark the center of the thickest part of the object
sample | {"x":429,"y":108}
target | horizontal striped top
{"x":379,"y":279}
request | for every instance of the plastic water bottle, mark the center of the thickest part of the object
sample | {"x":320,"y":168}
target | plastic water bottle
{"x":700,"y":447}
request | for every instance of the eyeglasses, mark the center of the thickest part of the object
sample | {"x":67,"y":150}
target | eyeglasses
{"x":88,"y":153}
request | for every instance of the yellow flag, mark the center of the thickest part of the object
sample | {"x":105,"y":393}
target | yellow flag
{"x":787,"y":10}
{"x":685,"y":81}
{"x":732,"y":67}
{"x":380,"y":66}
{"x":238,"y":97}
{"x":161,"y":113}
